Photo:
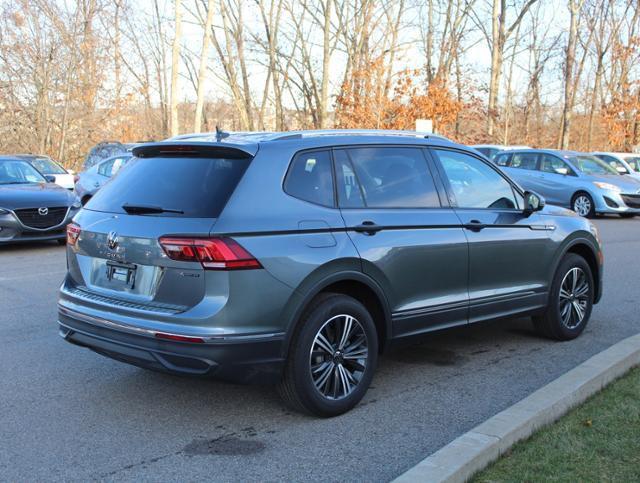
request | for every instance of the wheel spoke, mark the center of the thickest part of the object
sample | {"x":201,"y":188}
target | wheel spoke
{"x":323,"y":343}
{"x":346,"y":331}
{"x":338,"y":356}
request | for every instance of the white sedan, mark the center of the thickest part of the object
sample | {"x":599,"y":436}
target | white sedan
{"x":49,"y":167}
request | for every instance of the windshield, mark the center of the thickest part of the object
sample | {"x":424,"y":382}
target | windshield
{"x":634,"y":162}
{"x":47,"y":166}
{"x":592,"y":165}
{"x":19,"y":172}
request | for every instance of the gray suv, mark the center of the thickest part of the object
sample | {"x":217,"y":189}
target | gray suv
{"x":297,"y":258}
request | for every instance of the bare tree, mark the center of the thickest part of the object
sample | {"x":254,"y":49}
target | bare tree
{"x":175,"y":68}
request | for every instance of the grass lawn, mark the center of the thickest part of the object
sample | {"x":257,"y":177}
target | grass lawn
{"x":597,"y":441}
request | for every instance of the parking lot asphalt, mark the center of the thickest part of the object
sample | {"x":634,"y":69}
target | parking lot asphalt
{"x":67,"y":413}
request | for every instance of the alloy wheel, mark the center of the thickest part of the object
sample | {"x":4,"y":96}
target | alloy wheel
{"x":338,"y":357}
{"x":574,"y":297}
{"x":582,"y":205}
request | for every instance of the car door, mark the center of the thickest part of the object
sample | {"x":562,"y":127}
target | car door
{"x":523,"y":168}
{"x":507,"y":248}
{"x":556,"y":180}
{"x":409,"y":240}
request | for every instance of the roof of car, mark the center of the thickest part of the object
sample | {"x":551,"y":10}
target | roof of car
{"x":557,"y":152}
{"x":249,"y":142}
{"x":24,"y":156}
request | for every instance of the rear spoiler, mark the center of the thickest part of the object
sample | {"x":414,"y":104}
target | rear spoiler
{"x":196,"y":148}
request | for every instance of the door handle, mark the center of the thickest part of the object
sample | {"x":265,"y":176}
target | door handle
{"x":475,"y":225}
{"x":368,"y":228}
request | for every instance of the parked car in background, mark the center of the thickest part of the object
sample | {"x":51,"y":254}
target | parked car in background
{"x":32,"y":207}
{"x":624,"y":163}
{"x":297,"y":258}
{"x":576,"y":180}
{"x":91,"y":180}
{"x":49,"y":167}
{"x":105,"y":150}
{"x":490,"y":150}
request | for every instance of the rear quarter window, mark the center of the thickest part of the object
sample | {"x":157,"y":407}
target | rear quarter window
{"x":199,"y":187}
{"x":310,"y":178}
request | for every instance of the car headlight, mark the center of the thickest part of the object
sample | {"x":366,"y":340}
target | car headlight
{"x":607,"y":186}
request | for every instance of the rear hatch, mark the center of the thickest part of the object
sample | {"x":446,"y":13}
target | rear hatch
{"x":166,"y":191}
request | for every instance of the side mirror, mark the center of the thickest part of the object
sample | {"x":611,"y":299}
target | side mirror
{"x":532,"y":202}
{"x":563,"y":171}
{"x":50,"y":179}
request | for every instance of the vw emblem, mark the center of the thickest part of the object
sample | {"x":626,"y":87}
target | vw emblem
{"x":43,"y":211}
{"x":112,"y":240}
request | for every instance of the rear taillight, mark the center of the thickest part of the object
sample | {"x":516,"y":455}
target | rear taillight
{"x":73,"y":232}
{"x":212,"y":253}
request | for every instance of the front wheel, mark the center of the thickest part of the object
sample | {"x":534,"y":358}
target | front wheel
{"x":583,"y":205}
{"x":332,"y":358}
{"x":570,"y":300}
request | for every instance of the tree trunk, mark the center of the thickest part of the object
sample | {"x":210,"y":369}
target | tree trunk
{"x":175,"y":70}
{"x":202,"y":71}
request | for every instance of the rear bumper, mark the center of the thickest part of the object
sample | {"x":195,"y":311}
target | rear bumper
{"x":254,"y":359}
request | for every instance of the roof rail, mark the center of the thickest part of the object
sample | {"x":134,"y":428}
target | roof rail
{"x":354,"y":132}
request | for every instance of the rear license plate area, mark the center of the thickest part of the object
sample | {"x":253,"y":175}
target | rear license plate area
{"x":121,"y":274}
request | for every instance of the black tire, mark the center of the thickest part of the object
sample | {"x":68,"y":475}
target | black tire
{"x":577,"y":202}
{"x":553,"y":323}
{"x":297,"y":387}
{"x":62,"y":241}
{"x":627,"y":215}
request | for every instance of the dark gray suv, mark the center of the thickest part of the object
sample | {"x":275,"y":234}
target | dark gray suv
{"x":297,"y":258}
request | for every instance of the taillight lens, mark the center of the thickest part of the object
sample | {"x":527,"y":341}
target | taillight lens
{"x":73,"y":232}
{"x":212,"y":253}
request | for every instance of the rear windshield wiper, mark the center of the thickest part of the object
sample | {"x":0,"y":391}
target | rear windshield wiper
{"x":148,"y":209}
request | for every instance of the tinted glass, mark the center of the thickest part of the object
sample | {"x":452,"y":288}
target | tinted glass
{"x":349,"y":192}
{"x":502,"y":159}
{"x":524,"y":160}
{"x":551,"y":164}
{"x":19,"y":172}
{"x":392,"y":177}
{"x":474,"y":183}
{"x":592,"y":165}
{"x":199,"y":187}
{"x":309,"y":178}
{"x":46,"y":166}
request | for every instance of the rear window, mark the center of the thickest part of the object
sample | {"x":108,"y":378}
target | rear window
{"x":198,"y":187}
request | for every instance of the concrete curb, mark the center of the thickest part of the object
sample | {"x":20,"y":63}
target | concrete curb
{"x":463,"y":457}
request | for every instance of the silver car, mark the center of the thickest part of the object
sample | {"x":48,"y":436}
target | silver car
{"x":571,"y":179}
{"x":91,"y":180}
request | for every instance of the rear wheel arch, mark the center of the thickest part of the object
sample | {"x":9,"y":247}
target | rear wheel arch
{"x":356,"y":285}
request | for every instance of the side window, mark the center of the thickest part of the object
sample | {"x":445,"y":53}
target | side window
{"x":614,"y":163}
{"x":349,"y":191}
{"x":502,"y":159}
{"x":524,"y":160}
{"x":105,"y":168}
{"x":389,"y":177}
{"x":474,"y":183}
{"x":310,"y":179}
{"x":551,"y":164}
